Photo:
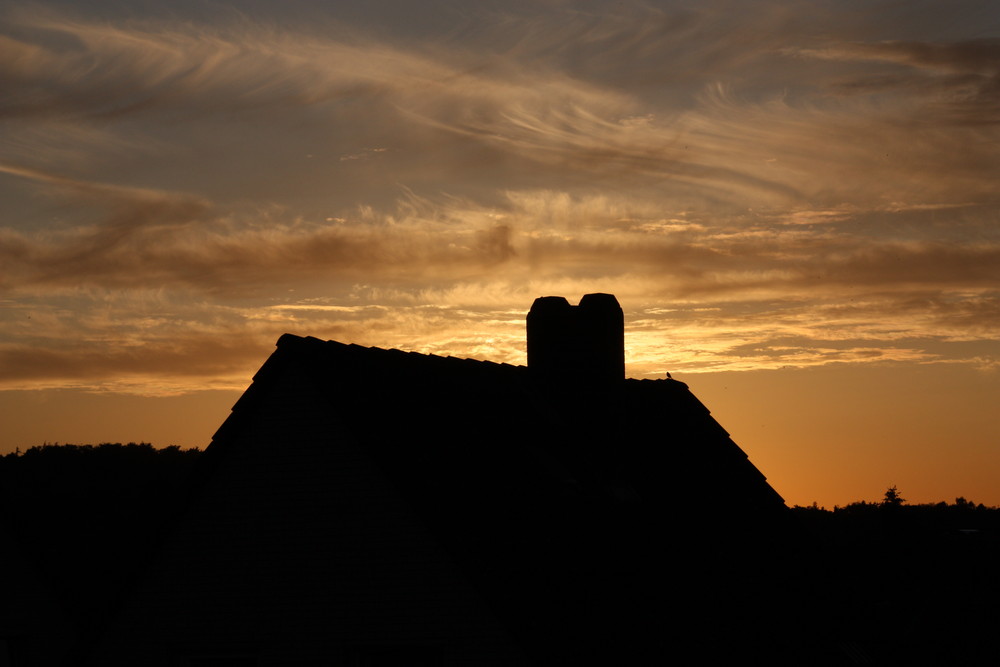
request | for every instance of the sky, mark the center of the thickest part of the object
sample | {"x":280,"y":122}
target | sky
{"x":795,"y":204}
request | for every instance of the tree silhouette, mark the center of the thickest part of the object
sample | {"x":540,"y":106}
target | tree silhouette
{"x":892,"y":497}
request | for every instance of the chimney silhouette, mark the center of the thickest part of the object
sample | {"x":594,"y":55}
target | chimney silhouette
{"x":584,"y":343}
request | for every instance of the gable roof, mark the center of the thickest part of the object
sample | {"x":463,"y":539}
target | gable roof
{"x":648,"y":442}
{"x":531,"y":484}
{"x":557,"y":506}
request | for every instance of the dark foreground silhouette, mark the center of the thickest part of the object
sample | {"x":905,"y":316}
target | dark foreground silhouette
{"x":882,"y":583}
{"x":910,"y":584}
{"x":363,"y":506}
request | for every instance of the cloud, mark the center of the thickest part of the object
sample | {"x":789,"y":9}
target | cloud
{"x":957,"y":82}
{"x":758,"y":187}
{"x":533,"y":114}
{"x":162,"y":239}
{"x":540,"y":103}
{"x":87,"y":364}
{"x":961,"y":57}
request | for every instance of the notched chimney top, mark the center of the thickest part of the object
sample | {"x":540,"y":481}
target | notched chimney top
{"x":584,"y":343}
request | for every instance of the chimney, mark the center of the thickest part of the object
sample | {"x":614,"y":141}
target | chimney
{"x":584,"y":343}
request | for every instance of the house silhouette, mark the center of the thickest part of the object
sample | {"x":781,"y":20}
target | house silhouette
{"x":366,"y":506}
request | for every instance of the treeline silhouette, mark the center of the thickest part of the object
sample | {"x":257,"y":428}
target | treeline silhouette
{"x":911,"y":584}
{"x":89,"y":516}
{"x":963,"y":519}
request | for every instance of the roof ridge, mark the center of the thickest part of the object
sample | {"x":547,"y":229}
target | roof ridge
{"x":289,"y":339}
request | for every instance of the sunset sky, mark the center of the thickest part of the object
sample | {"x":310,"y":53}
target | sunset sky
{"x":795,"y":204}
